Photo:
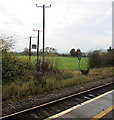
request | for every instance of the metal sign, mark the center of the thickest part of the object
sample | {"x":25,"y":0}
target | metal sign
{"x":34,"y":46}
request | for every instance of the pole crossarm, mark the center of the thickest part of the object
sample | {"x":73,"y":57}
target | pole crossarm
{"x":31,"y":37}
{"x":43,"y":5}
{"x":38,"y":30}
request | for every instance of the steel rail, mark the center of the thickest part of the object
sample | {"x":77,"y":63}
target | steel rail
{"x":54,"y":101}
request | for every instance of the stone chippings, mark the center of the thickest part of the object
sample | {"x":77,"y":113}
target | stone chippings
{"x":11,"y":107}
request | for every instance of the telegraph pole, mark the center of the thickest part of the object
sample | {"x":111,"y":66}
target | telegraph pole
{"x":30,"y":38}
{"x":37,"y":43}
{"x":43,"y":25}
{"x":30,"y":49}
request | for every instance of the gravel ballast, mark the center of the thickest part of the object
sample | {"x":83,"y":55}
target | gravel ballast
{"x":12,"y":107}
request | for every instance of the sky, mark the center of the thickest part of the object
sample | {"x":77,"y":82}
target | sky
{"x":83,"y":24}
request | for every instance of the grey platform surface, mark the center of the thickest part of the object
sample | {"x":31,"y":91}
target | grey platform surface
{"x":91,"y":109}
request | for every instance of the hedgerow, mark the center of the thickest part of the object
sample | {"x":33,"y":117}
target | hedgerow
{"x":98,"y":59}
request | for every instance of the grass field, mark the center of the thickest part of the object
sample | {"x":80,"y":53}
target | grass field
{"x":70,"y":63}
{"x":67,"y":63}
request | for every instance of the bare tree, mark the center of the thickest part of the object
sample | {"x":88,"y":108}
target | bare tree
{"x":6,"y":43}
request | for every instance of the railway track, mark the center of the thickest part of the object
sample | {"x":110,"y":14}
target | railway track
{"x":51,"y":108}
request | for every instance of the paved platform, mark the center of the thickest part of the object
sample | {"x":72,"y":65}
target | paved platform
{"x":97,"y":108}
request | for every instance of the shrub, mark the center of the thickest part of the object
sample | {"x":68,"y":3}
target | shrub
{"x":12,"y":67}
{"x":49,"y":65}
{"x":95,"y":60}
{"x":9,"y":68}
{"x":110,"y":59}
{"x":98,"y":59}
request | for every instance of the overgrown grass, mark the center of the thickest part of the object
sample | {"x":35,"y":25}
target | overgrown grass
{"x":21,"y":88}
{"x":35,"y":78}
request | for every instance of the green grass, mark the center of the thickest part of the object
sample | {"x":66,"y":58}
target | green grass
{"x":70,"y":63}
{"x":67,"y":63}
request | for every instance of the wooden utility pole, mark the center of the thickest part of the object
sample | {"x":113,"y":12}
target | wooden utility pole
{"x":30,"y":39}
{"x":43,"y":25}
{"x":37,"y":43}
{"x":38,"y":46}
{"x":43,"y":30}
{"x":30,"y":50}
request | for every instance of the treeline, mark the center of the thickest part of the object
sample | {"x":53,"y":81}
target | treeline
{"x":48,"y":51}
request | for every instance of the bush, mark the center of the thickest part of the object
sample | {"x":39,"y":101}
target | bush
{"x":42,"y":68}
{"x":110,"y":59}
{"x":98,"y":59}
{"x":9,"y":69}
{"x":49,"y":64}
{"x":12,"y":67}
{"x":95,"y":60}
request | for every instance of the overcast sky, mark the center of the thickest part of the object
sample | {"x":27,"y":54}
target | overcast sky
{"x":84,"y":24}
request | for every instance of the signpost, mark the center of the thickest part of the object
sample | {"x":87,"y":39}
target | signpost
{"x":33,"y":46}
{"x":30,"y":49}
{"x":79,"y":58}
{"x":38,"y":42}
{"x":78,"y":54}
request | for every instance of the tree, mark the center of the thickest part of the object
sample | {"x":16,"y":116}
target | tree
{"x":26,"y":51}
{"x":6,"y":43}
{"x":54,"y":50}
{"x":49,"y":51}
{"x":78,"y":53}
{"x":95,"y":59}
{"x":110,"y":50}
{"x":84,"y":54}
{"x":73,"y":53}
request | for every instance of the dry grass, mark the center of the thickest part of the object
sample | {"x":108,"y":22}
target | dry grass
{"x":20,"y":88}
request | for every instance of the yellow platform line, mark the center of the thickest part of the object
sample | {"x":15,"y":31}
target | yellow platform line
{"x":103,"y":113}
